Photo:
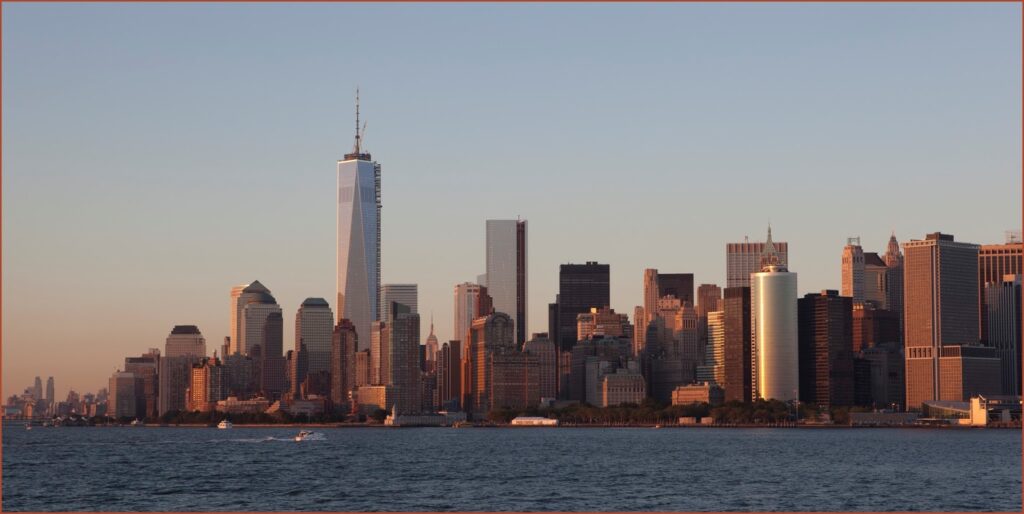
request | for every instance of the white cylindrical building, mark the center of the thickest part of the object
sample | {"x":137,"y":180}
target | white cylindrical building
{"x":774,"y":312}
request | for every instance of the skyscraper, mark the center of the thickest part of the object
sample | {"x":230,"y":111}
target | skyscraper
{"x":145,"y":368}
{"x":430,"y":350}
{"x":853,"y":270}
{"x":449,"y":376}
{"x":37,"y":390}
{"x":774,"y":323}
{"x":403,"y":371}
{"x":742,"y":259}
{"x":359,"y":216}
{"x":658,"y":285}
{"x":405,"y":294}
{"x":894,"y":280}
{"x":1003,"y":320}
{"x":541,"y":347}
{"x":507,"y":271}
{"x":826,"y":354}
{"x":185,"y":347}
{"x":343,"y":363}
{"x":994,"y":263}
{"x":709,"y":298}
{"x":471,"y":302}
{"x":940,"y":283}
{"x":314,"y":328}
{"x":580,"y":288}
{"x":488,"y":336}
{"x":49,"y":391}
{"x":240,"y":297}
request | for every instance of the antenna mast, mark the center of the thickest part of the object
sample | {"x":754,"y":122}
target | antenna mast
{"x":357,"y":149}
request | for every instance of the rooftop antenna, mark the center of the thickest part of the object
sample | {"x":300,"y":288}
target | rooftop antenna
{"x":358,"y":146}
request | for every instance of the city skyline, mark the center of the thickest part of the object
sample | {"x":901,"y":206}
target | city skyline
{"x":187,"y":283}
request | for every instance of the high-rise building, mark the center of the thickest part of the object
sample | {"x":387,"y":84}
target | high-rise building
{"x":713,"y":369}
{"x":1003,"y":320}
{"x":742,"y":259}
{"x":405,"y":294}
{"x":875,"y":280}
{"x":581,"y":287}
{"x":471,"y":302}
{"x":774,"y":324}
{"x":488,"y":335}
{"x":185,"y":340}
{"x":658,"y":285}
{"x":430,"y":350}
{"x":940,"y":284}
{"x":541,"y":347}
{"x":404,"y":352}
{"x":894,"y":280}
{"x":359,"y":216}
{"x":380,"y":358}
{"x":314,"y":329}
{"x":241,"y":296}
{"x":994,"y":263}
{"x":873,"y":326}
{"x":507,"y":271}
{"x":125,"y":400}
{"x":206,"y":385}
{"x":826,"y":350}
{"x":37,"y":390}
{"x":272,"y":370}
{"x":185,"y":346}
{"x":853,"y":270}
{"x":602,"y":321}
{"x":449,"y":376}
{"x":736,"y":331}
{"x":639,"y":329}
{"x":146,"y":367}
{"x":343,"y":363}
{"x":709,"y":298}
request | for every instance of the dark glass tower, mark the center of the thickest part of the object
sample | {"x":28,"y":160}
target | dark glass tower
{"x":580,"y":288}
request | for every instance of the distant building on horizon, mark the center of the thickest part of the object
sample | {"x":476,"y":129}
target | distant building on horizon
{"x":506,"y":273}
{"x":853,"y":270}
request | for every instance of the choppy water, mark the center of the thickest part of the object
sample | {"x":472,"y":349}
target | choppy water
{"x":533,"y":469}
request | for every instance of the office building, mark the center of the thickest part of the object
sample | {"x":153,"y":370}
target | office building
{"x":659,"y":285}
{"x":825,"y":324}
{"x":698,"y":393}
{"x":581,"y":287}
{"x":894,"y":280}
{"x":359,"y":217}
{"x":940,"y":284}
{"x":514,"y":382}
{"x":709,"y":299}
{"x":774,"y":323}
{"x":713,"y":369}
{"x":737,"y":362}
{"x":471,"y":301}
{"x":507,"y":271}
{"x":541,"y":347}
{"x":602,"y":321}
{"x":742,"y":259}
{"x":185,"y":340}
{"x":449,"y":376}
{"x":1003,"y":320}
{"x":876,"y":277}
{"x":403,"y":368}
{"x":145,"y":367}
{"x":879,"y":377}
{"x":853,"y":270}
{"x":126,"y":396}
{"x":489,"y":335}
{"x":314,"y":329}
{"x":994,"y":263}
{"x":206,"y":385}
{"x":343,"y":363}
{"x":405,"y":294}
{"x":873,"y":326}
{"x":624,"y":386}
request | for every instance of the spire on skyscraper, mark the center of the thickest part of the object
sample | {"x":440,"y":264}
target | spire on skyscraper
{"x":357,"y":149}
{"x":770,"y":256}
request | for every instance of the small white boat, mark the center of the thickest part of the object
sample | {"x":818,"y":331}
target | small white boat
{"x":224,"y":425}
{"x":137,"y":423}
{"x":303,"y":435}
{"x":28,"y":427}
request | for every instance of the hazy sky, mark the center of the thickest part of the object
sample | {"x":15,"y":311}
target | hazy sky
{"x":155,"y":155}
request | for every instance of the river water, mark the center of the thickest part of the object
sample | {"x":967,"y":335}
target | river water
{"x":522,"y":469}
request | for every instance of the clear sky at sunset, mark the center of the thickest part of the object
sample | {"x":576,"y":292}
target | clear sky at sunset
{"x":155,"y":155}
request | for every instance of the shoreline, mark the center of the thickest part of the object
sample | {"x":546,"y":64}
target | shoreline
{"x":591,"y":426}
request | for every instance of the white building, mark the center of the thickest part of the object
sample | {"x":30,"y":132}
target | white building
{"x":773,"y":309}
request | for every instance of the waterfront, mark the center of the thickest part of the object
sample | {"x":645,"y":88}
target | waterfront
{"x":567,"y":469}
